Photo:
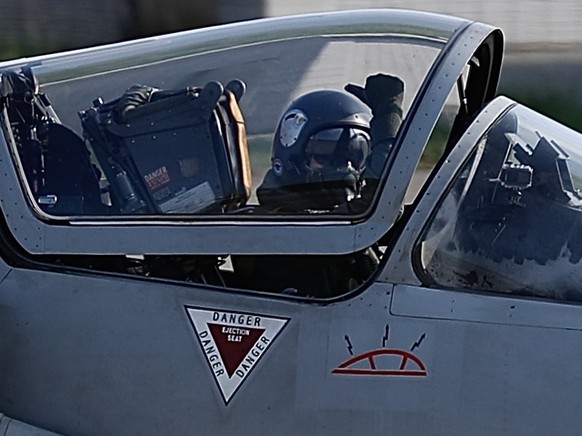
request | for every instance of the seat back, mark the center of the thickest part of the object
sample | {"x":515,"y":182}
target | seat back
{"x":70,"y":185}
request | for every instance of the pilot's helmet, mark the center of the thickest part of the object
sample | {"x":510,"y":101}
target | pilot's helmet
{"x":322,"y":140}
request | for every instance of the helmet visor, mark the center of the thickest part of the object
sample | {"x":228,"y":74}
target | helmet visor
{"x":339,"y":146}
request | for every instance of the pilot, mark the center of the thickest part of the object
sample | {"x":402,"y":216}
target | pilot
{"x":330,"y":147}
{"x":328,"y":153}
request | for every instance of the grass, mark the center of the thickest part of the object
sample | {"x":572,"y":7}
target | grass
{"x":558,"y":106}
{"x":10,"y":51}
{"x":561,"y":108}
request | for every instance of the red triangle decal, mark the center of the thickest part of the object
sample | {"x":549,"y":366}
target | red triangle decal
{"x":234,"y":343}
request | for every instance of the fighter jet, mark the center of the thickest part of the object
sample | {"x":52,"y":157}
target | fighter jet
{"x":322,"y":224}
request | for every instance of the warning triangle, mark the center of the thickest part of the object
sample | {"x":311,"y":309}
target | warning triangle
{"x":234,"y":347}
{"x":233,"y":343}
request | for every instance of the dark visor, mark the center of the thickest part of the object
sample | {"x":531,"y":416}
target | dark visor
{"x":346,"y":143}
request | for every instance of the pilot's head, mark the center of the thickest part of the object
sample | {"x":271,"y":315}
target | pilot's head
{"x":321,"y":145}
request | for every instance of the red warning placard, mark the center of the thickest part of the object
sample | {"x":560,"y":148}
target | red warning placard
{"x":234,"y":343}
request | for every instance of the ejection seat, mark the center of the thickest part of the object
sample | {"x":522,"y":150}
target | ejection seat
{"x":172,"y":152}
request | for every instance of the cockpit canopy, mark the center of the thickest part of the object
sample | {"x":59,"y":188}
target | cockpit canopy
{"x":512,"y":220}
{"x":188,"y":130}
{"x":177,"y":133}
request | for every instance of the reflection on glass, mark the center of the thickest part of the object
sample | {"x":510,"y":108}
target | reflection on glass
{"x":230,"y":131}
{"x":512,"y":221}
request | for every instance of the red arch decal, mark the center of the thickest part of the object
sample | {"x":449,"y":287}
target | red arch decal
{"x":419,"y":369}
